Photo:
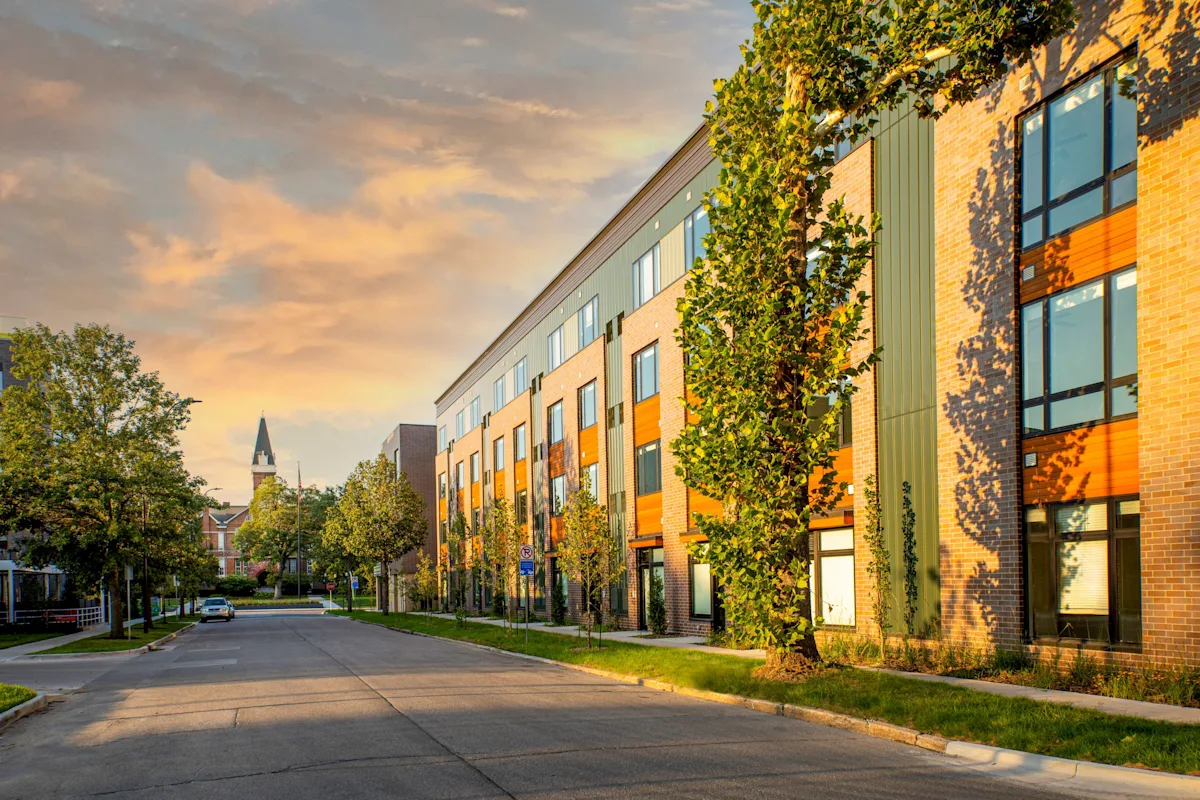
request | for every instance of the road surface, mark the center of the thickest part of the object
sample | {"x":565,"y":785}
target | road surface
{"x":300,"y":706}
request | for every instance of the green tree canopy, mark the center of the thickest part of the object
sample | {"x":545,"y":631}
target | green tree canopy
{"x":269,"y":532}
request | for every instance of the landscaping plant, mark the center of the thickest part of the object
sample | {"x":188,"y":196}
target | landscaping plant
{"x":589,"y":553}
{"x":879,"y":565}
{"x":908,"y":529}
{"x":656,"y":607}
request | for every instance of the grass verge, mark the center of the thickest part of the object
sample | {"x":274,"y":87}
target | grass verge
{"x":12,"y":696}
{"x":253,"y":602}
{"x":100,"y":643}
{"x":949,"y":711}
{"x":14,"y":639}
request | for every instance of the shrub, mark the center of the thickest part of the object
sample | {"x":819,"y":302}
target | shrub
{"x":499,"y":604}
{"x":236,"y":586}
{"x":656,"y":607}
{"x":558,"y":604}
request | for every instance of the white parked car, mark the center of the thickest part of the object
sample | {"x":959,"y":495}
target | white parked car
{"x":216,"y":608}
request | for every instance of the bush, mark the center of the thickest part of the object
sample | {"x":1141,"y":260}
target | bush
{"x":499,"y":604}
{"x":558,"y":604}
{"x":289,"y":586}
{"x":656,"y":607}
{"x":236,"y":586}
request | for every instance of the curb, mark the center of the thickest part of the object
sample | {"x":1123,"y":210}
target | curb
{"x":1017,"y":764}
{"x":143,"y":649}
{"x":36,"y":703}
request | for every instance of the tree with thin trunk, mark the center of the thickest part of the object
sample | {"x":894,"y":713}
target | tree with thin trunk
{"x":501,"y":539}
{"x":773,"y":311}
{"x":879,"y":563}
{"x":589,"y":553}
{"x":84,"y":444}
{"x":425,"y":582}
{"x":269,"y":532}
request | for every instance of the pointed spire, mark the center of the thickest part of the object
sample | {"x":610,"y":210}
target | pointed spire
{"x":264,"y":456}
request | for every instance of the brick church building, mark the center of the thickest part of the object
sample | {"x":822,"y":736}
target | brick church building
{"x":220,"y":524}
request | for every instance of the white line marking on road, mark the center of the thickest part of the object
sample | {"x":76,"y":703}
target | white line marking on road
{"x":212,"y":662}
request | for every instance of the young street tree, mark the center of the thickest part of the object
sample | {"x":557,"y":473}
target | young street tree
{"x":269,"y":533}
{"x":769,"y":318}
{"x":381,"y":516}
{"x":589,"y":554}
{"x":501,"y":544}
{"x":88,"y":444}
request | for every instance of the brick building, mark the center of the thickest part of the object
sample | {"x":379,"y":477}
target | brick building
{"x":411,"y":449}
{"x":220,"y":524}
{"x":1034,"y":299}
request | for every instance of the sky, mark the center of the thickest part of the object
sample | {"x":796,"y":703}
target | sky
{"x":323,"y":210}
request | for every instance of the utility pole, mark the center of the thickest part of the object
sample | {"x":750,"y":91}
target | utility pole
{"x":299,"y":496}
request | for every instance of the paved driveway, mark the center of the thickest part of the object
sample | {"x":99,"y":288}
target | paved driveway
{"x":297,"y":707}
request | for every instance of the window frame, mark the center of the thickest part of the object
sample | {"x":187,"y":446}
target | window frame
{"x":442,"y":440}
{"x":498,"y":460}
{"x":693,"y":248}
{"x":499,"y":400}
{"x":521,"y":507}
{"x":1109,"y":174}
{"x":637,"y":383}
{"x":520,"y":443}
{"x":595,"y":408}
{"x":475,"y":468}
{"x":442,"y":482}
{"x":556,"y":337}
{"x":460,"y":422}
{"x":656,"y":264}
{"x":638,"y":457}
{"x":1106,"y":386}
{"x":817,"y":589}
{"x":476,"y":409}
{"x":595,"y":485}
{"x":556,"y":509}
{"x":550,"y":418}
{"x":593,"y":306}
{"x":520,"y":378}
{"x":693,"y":562}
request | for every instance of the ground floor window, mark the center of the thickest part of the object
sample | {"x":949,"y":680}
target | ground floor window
{"x":650,"y":562}
{"x":702,"y":587}
{"x":1083,"y":562}
{"x":832,"y":576}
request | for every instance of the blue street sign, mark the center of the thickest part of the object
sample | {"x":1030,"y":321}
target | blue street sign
{"x":354,"y":583}
{"x":526,"y":569}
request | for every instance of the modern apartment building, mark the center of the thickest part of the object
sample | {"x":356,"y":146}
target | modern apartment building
{"x":411,"y":449}
{"x":1035,"y":300}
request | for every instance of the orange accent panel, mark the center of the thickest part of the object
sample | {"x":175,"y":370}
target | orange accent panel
{"x":499,"y":487}
{"x":520,"y":476}
{"x":698,"y":504}
{"x":1105,"y":245}
{"x":558,"y":464}
{"x":476,"y":494}
{"x":687,"y":538}
{"x":589,"y":445}
{"x":645,"y":421}
{"x":644,"y":542}
{"x":843,"y":465}
{"x":1099,"y":461}
{"x":459,"y":504}
{"x":556,"y":531}
{"x":442,"y":508}
{"x":649,"y":514}
{"x":843,"y":519}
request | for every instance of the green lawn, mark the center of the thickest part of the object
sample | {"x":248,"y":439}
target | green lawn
{"x":360,"y":600}
{"x":949,"y":711}
{"x":251,"y":602}
{"x":11,"y":696}
{"x":14,"y":639}
{"x":100,"y":643}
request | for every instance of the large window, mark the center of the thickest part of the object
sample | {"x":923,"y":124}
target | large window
{"x":558,"y":495}
{"x":520,"y":377}
{"x":554,"y":422}
{"x":589,"y":322}
{"x":1084,"y":571}
{"x":1079,"y":155}
{"x":498,"y":454}
{"x":1079,"y":355}
{"x":695,"y":228}
{"x":587,"y":406}
{"x":458,"y":476}
{"x":832,"y":576}
{"x":474,"y":467}
{"x":519,"y":443}
{"x":441,"y":438}
{"x":845,"y":425}
{"x":521,"y":507}
{"x":442,"y":485}
{"x":498,"y":399}
{"x":702,"y":586}
{"x":459,"y":425}
{"x":645,"y":374}
{"x":648,"y":460}
{"x":646,"y":278}
{"x":475,"y":414}
{"x":554,"y":350}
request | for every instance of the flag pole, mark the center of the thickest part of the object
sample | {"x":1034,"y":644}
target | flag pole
{"x":299,"y":496}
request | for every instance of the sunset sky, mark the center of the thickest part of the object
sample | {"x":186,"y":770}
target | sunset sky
{"x":324,"y":209}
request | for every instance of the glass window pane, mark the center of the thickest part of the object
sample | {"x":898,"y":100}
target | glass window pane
{"x":1032,"y":367}
{"x":1123,"y":190}
{"x":1083,"y":577}
{"x":700,"y":230}
{"x":1124,"y":116}
{"x":1081,"y":209}
{"x":1035,"y":521}
{"x":1035,"y":419}
{"x":1124,"y":324}
{"x":701,"y":590}
{"x":1041,"y":589}
{"x":1129,"y":514}
{"x":519,"y":443}
{"x":1031,"y":162}
{"x":837,"y":590}
{"x":1031,"y":232}
{"x":1077,"y":410}
{"x":1124,"y":400}
{"x":1077,"y":137}
{"x":1129,"y":590}
{"x":1088,"y":518}
{"x":841,"y":539}
{"x":1077,"y":339}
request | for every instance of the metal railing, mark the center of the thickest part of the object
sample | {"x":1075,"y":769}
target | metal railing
{"x":83,"y":617}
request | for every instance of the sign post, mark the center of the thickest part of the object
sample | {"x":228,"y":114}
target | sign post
{"x":527,"y":573}
{"x":129,"y":598}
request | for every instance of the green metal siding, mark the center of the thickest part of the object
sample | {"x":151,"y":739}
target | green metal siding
{"x":904,"y":326}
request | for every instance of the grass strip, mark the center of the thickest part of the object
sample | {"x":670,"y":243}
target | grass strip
{"x":14,"y":639}
{"x":100,"y":643}
{"x":12,"y":696}
{"x":252,"y":602}
{"x":954,"y":712}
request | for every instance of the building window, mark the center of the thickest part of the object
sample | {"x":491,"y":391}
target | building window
{"x":458,"y":477}
{"x":702,"y":587}
{"x":459,"y":425}
{"x":475,"y":520}
{"x":554,"y":417}
{"x":832,"y":576}
{"x":695,"y":228}
{"x":587,"y":406}
{"x":590,"y":474}
{"x":645,"y":374}
{"x":519,"y":443}
{"x":521,"y":507}
{"x":645,"y":277}
{"x":554,"y":349}
{"x":589,"y":322}
{"x":1084,"y":568}
{"x":498,"y":454}
{"x":442,"y":485}
{"x":475,"y":415}
{"x":441,"y":438}
{"x":520,"y":378}
{"x":1079,"y":155}
{"x":558,"y":495}
{"x":649,"y":468}
{"x":1079,"y":355}
{"x":498,"y":394}
{"x":474,"y":467}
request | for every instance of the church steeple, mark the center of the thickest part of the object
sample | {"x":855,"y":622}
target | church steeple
{"x":262,"y":464}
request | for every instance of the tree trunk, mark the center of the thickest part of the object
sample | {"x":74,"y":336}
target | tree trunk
{"x":116,"y":607}
{"x":350,"y":591}
{"x":385,"y":599}
{"x":147,"y":612}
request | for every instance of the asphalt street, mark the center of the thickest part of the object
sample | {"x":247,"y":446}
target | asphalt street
{"x":302,"y":706}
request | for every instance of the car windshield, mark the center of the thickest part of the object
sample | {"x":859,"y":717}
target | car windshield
{"x":215,"y":602}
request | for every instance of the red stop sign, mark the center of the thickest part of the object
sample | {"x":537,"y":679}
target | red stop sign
{"x":329,"y":587}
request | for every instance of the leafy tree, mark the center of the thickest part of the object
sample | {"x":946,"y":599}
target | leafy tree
{"x":656,"y":606}
{"x":89,"y":456}
{"x":879,"y":567}
{"x":456,"y":558}
{"x":269,"y":532}
{"x":425,"y":582}
{"x":908,"y":528}
{"x":558,"y":601}
{"x":589,"y":553}
{"x":381,"y":517}
{"x":501,"y":540}
{"x":771,"y":315}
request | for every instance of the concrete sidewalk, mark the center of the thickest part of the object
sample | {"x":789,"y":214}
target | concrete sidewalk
{"x":11,"y":653}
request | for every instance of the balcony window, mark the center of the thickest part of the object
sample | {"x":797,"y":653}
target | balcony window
{"x":554,"y":350}
{"x":648,"y":463}
{"x":587,"y":406}
{"x":589,"y":322}
{"x":519,"y":443}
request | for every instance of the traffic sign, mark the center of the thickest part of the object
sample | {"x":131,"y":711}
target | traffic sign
{"x":354,"y":582}
{"x":329,"y":587}
{"x":527,"y":552}
{"x":526,"y":568}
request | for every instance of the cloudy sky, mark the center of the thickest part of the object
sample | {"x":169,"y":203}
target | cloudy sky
{"x":324,"y":209}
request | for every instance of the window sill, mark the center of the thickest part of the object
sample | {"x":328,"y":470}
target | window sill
{"x":1085,"y":644}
